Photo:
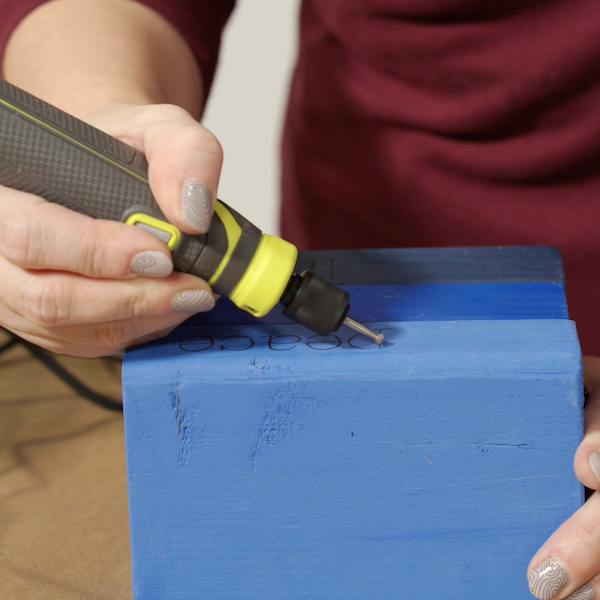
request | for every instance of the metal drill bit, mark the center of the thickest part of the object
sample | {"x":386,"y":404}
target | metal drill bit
{"x":377,"y":337}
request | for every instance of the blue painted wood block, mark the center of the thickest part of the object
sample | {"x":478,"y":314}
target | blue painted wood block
{"x":265,"y":462}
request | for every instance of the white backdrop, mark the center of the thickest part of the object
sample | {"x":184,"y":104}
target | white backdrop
{"x":247,"y":103}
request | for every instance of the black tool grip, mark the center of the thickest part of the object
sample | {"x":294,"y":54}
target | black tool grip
{"x":47,"y":152}
{"x":105,"y":144}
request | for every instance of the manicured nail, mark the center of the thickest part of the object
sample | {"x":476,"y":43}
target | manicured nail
{"x":151,"y":263}
{"x":594,"y":461}
{"x":192,"y":301}
{"x":196,"y":205}
{"x":548,"y":579}
{"x":585,"y":592}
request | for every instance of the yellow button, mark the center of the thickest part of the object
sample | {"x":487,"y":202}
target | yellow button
{"x":163,"y":230}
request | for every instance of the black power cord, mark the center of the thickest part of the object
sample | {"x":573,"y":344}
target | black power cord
{"x":49,"y":361}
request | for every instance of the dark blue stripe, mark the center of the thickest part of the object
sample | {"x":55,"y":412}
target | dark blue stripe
{"x":497,"y":264}
{"x":427,"y":302}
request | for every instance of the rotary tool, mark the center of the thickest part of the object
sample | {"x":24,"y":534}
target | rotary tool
{"x":47,"y":152}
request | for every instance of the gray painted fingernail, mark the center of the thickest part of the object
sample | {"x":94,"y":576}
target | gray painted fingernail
{"x":151,"y":263}
{"x":196,"y":205}
{"x":594,"y":461}
{"x":547,"y":580}
{"x":192,"y":301}
{"x":585,"y":592}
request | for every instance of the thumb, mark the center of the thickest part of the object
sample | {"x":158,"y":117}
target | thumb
{"x":184,"y":158}
{"x":587,"y":457}
{"x":185,"y":162}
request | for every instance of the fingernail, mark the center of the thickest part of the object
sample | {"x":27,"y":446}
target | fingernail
{"x":547,"y":580}
{"x":192,"y":301}
{"x":585,"y":592}
{"x":152,"y":263}
{"x":196,"y":205}
{"x":594,"y":461}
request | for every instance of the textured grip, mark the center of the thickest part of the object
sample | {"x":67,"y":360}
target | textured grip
{"x":46,"y":152}
{"x":64,"y":122}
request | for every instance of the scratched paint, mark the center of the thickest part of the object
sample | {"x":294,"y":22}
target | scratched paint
{"x":188,"y":427}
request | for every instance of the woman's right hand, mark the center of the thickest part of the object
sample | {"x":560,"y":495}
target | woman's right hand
{"x":87,"y":287}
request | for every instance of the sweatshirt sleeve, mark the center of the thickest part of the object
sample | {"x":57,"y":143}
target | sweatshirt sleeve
{"x":11,"y":14}
{"x":200,"y":23}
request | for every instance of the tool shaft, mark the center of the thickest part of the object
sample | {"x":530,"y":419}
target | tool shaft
{"x":357,"y":326}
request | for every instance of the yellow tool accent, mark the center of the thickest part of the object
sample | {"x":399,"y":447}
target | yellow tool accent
{"x":234,"y":233}
{"x":140,"y":217}
{"x":266,"y":277}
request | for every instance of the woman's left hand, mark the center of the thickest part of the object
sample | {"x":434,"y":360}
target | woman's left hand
{"x":568,"y":564}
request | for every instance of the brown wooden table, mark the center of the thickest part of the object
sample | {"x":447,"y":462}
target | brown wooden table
{"x":63,"y":496}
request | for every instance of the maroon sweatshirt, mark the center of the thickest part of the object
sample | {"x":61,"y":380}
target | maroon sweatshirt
{"x":435,"y":123}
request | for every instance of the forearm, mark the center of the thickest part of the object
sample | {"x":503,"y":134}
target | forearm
{"x":82,"y":55}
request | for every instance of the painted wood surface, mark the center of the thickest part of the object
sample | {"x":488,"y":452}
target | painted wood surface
{"x":426,"y":302}
{"x":268,"y":463}
{"x":436,"y":265}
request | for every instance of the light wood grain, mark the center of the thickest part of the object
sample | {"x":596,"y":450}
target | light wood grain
{"x":63,"y":501}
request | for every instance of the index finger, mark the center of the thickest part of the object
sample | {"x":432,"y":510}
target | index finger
{"x":40,"y":235}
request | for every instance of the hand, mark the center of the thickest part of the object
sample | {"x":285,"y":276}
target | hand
{"x":568,"y":564}
{"x":86,"y":287}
